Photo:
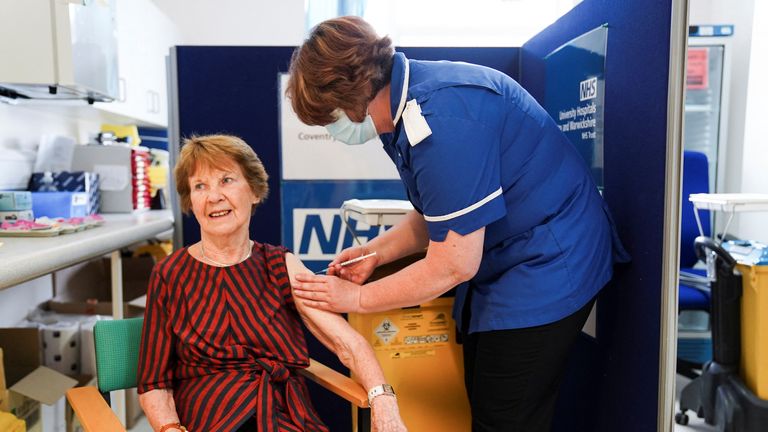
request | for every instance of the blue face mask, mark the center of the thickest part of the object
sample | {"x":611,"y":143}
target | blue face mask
{"x":352,"y":133}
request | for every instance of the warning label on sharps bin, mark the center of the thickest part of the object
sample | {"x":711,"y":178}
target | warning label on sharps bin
{"x":386,"y":331}
{"x":412,"y":333}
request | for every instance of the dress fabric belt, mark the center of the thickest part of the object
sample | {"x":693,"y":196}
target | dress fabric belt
{"x":273,"y":372}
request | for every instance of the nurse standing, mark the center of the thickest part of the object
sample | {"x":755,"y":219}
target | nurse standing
{"x":503,"y":201}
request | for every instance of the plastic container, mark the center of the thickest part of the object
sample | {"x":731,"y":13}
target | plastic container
{"x":60,"y":204}
{"x":695,"y":347}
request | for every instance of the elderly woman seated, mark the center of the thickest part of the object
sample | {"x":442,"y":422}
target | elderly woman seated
{"x":222,"y":336}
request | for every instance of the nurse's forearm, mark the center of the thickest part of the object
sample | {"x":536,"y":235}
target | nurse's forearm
{"x":409,"y":236}
{"x":446,"y":265}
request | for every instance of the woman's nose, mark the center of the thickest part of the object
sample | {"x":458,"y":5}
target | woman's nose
{"x":215,"y":195}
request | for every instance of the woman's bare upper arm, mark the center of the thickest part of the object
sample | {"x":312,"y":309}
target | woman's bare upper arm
{"x":329,"y":323}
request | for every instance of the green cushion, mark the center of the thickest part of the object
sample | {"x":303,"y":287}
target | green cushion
{"x":117,"y":353}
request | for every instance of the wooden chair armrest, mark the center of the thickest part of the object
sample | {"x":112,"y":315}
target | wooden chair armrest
{"x":92,"y":410}
{"x":336,"y":382}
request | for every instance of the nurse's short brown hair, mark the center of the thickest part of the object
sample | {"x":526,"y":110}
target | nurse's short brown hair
{"x":342,"y":64}
{"x":218,"y":151}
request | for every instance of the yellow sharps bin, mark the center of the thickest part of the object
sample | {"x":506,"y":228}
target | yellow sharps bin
{"x":754,"y":328}
{"x":418,"y":351}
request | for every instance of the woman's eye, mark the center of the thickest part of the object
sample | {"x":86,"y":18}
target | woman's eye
{"x":199,"y":186}
{"x":227,"y":180}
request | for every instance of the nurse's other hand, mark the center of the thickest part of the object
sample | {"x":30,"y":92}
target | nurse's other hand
{"x":358,"y":272}
{"x":327,"y":292}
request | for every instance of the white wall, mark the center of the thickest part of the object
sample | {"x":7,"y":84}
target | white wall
{"x":22,"y":125}
{"x":754,"y":173}
{"x":237,"y":22}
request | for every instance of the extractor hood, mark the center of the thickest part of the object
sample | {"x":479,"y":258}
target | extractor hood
{"x":58,"y":49}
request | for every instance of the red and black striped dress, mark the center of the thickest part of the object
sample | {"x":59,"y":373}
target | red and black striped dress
{"x":227,"y":341}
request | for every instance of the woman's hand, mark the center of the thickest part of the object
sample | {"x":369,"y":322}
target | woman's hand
{"x":385,"y":415}
{"x":327,"y":293}
{"x":357,"y":272}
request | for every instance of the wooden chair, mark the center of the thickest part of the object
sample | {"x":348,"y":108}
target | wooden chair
{"x":117,"y":353}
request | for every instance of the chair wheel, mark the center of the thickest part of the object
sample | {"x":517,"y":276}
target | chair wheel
{"x":681,"y":419}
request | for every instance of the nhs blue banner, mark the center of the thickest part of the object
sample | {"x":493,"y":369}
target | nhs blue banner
{"x":574,"y":94}
{"x":312,"y":225}
{"x":318,"y":174}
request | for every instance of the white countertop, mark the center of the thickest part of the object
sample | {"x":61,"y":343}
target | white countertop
{"x":26,"y":258}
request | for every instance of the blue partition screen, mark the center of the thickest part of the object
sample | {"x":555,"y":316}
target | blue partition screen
{"x":623,"y":362}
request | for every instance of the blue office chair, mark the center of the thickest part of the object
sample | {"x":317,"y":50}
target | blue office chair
{"x":693,"y":287}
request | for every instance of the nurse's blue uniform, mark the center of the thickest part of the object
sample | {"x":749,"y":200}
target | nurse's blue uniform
{"x":496,"y":159}
{"x":475,"y":150}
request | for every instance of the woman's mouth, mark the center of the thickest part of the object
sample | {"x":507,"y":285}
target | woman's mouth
{"x":219,"y":213}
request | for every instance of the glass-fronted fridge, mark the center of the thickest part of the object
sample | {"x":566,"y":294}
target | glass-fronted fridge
{"x":706,"y":99}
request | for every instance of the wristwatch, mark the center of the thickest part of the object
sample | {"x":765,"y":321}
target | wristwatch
{"x":381,"y":389}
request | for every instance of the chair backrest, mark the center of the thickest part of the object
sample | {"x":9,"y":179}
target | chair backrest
{"x":117,"y":352}
{"x":695,"y":180}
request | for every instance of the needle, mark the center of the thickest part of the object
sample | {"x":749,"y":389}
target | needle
{"x":352,"y":261}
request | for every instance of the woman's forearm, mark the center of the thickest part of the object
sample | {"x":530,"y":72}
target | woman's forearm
{"x":352,"y":349}
{"x":349,"y":346}
{"x":337,"y":335}
{"x":159,"y":407}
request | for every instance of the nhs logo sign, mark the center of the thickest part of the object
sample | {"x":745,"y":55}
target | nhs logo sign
{"x":319,"y":234}
{"x":588,"y":89}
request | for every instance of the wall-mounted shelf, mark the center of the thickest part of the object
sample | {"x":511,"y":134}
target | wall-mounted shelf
{"x":24,"y":259}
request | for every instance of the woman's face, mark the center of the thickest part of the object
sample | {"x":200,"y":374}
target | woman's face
{"x":221,"y":199}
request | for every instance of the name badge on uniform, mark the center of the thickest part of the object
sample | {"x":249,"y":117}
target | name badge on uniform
{"x":416,"y":127}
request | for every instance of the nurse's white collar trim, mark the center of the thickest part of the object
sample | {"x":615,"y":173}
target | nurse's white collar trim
{"x":465,"y":210}
{"x":403,"y":95}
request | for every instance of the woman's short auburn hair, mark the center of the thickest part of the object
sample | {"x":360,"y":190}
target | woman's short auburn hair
{"x":342,"y":64}
{"x":218,"y":151}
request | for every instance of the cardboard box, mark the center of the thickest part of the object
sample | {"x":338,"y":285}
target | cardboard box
{"x":86,"y":288}
{"x":69,"y":181}
{"x":30,"y":383}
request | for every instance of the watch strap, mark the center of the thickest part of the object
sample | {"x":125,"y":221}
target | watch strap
{"x":381,"y":389}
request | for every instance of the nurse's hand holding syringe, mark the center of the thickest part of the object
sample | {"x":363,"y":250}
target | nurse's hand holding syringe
{"x":354,"y":264}
{"x":348,"y":262}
